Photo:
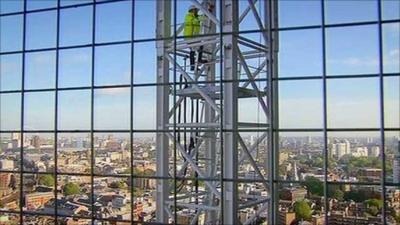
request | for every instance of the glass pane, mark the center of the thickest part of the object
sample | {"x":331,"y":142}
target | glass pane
{"x":393,"y":216}
{"x":74,"y":2}
{"x":10,"y":111}
{"x":145,"y":19}
{"x":73,"y":153}
{"x":390,"y":9}
{"x":391,"y":47}
{"x":41,"y":30}
{"x":39,"y":153}
{"x":300,"y":104}
{"x":301,"y":156}
{"x":40,"y":4}
{"x":112,"y":108}
{"x":76,"y":26}
{"x":354,"y":157}
{"x":10,"y":148}
{"x":39,"y":111}
{"x":75,"y":67}
{"x":112,"y":153}
{"x":144,"y":198}
{"x":38,"y":219}
{"x":40,"y":70}
{"x":10,"y":218}
{"x":38,"y":197}
{"x":350,"y":11}
{"x":114,"y":192}
{"x":144,"y":108}
{"x":347,"y":53}
{"x":11,"y":31}
{"x":249,"y":21}
{"x":11,"y":6}
{"x":300,"y":53}
{"x":145,"y":63}
{"x":11,"y":72}
{"x":113,"y":22}
{"x":112,"y":70}
{"x":74,"y":110}
{"x":71,"y":187}
{"x":299,"y":13}
{"x":392,"y":156}
{"x":353,"y":106}
{"x":392,"y":102}
{"x":144,"y":153}
{"x":364,"y":204}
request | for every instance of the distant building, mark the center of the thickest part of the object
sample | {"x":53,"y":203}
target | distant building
{"x":38,"y":199}
{"x":396,"y":165}
{"x":285,"y":217}
{"x":293,"y":194}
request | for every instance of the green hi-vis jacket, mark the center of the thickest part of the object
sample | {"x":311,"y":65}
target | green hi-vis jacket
{"x":192,"y":25}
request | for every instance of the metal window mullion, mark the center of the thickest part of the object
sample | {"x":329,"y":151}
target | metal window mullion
{"x":382,"y":109}
{"x":92,"y":161}
{"x":175,"y":7}
{"x":324,"y":111}
{"x":132,"y":203}
{"x":56,"y":113}
{"x":21,"y":194}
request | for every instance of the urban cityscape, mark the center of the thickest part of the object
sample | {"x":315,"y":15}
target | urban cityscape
{"x":199,"y":112}
{"x":351,"y":159}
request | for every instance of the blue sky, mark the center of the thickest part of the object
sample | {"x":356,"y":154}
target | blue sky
{"x":350,"y":50}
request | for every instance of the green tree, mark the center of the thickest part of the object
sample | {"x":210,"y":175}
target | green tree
{"x":46,"y":180}
{"x":314,"y":186}
{"x":375,"y":202}
{"x":71,"y":189}
{"x":338,"y":194}
{"x":302,"y":210}
{"x":117,"y":184}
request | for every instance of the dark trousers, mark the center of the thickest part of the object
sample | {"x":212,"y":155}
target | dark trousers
{"x":192,"y":57}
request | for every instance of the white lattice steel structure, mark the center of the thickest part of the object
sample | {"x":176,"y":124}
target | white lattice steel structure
{"x":206,"y":155}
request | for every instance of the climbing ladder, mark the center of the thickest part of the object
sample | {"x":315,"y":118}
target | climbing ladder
{"x":200,"y":145}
